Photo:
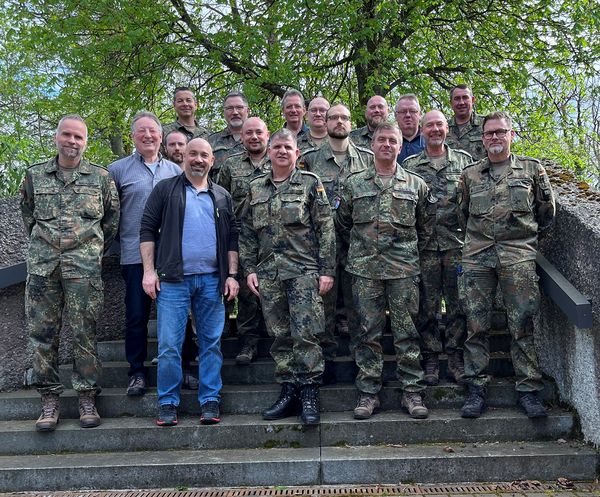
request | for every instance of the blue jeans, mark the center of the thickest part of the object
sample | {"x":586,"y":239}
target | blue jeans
{"x":202,"y":294}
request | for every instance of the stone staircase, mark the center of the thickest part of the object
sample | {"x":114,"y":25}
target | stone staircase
{"x":129,"y":451}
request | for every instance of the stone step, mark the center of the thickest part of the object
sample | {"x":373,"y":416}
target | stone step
{"x":401,"y":463}
{"x":253,"y":399}
{"x":251,"y":432}
{"x":114,"y":350}
{"x":261,"y":371}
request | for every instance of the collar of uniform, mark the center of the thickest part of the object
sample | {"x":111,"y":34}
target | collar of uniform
{"x":400,"y":173}
{"x":52,"y":166}
{"x":179,"y":125}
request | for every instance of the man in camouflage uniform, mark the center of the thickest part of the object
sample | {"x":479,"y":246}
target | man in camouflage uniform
{"x":383,"y":219}
{"x":377,"y":112}
{"x":505,"y":200}
{"x":185,"y":105}
{"x":333,"y":163}
{"x":287,"y":251}
{"x":71,"y":212}
{"x":229,"y":140}
{"x":317,"y":123}
{"x":465,"y":127}
{"x":235,"y":176}
{"x":293,"y":108}
{"x":440,"y":167}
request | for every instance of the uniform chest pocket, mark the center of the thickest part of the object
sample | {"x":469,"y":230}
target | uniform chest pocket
{"x":260,"y":212}
{"x":365,"y":207}
{"x":520,"y":194}
{"x":451,"y":184}
{"x":240,"y":187}
{"x":292,"y":208}
{"x":46,"y":203}
{"x":403,"y":208}
{"x":476,"y":145}
{"x":88,"y":201}
{"x":480,"y":201}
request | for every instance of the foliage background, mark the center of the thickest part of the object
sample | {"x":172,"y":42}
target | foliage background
{"x":107,"y":59}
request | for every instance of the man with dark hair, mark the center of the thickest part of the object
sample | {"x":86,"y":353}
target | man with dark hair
{"x":383,"y":219}
{"x":135,"y":177}
{"x":377,"y":112}
{"x":465,"y":127}
{"x":408,"y":117}
{"x":185,"y":105}
{"x":288,"y":254}
{"x":175,"y":143}
{"x":70,"y":209}
{"x":189,"y":243}
{"x":229,"y":140}
{"x":440,"y":167}
{"x":506,"y":201}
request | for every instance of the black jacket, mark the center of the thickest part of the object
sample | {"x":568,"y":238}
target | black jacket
{"x":162,"y":223}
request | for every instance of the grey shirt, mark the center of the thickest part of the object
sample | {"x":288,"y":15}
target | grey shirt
{"x":135,"y":181}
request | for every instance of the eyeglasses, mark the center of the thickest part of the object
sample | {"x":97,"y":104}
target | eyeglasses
{"x":318,"y":110}
{"x":237,"y":108}
{"x":500,"y":133}
{"x":335,"y":117}
{"x":412,"y":112}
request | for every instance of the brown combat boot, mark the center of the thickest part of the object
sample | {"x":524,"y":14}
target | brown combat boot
{"x":50,"y":412}
{"x":431,"y":369}
{"x":88,"y":416}
{"x":367,"y":405}
{"x":456,"y":367}
{"x":413,"y":403}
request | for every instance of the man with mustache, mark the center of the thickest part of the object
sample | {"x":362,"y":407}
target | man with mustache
{"x":377,"y":112}
{"x":229,"y":140}
{"x":189,"y":247}
{"x":506,"y":202}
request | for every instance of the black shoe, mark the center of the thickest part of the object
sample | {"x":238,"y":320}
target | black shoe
{"x":246,"y":355}
{"x":167,"y":415}
{"x":309,"y":397}
{"x":474,"y":406}
{"x":532,"y":406}
{"x":137,"y":385}
{"x":190,"y":382}
{"x":329,"y":375}
{"x":286,"y":405}
{"x":210,"y":414}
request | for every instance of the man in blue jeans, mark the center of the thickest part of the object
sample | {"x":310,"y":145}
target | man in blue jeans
{"x":189,"y":247}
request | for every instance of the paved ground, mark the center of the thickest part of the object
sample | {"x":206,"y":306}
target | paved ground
{"x":560,"y":488}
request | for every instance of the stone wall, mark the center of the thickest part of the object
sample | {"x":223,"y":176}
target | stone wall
{"x":568,"y":354}
{"x":15,"y":354}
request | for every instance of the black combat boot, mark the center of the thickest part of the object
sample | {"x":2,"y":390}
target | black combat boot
{"x":286,"y":405}
{"x":475,"y":403}
{"x":311,"y":409}
{"x":531,"y":404}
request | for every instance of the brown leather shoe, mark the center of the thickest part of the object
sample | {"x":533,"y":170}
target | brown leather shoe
{"x":88,"y":416}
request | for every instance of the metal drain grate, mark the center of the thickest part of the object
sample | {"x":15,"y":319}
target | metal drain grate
{"x":320,"y":491}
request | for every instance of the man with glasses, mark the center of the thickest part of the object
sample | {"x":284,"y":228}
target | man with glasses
{"x":228,"y":141}
{"x":506,"y":201}
{"x":465,"y":127}
{"x":333,"y":163}
{"x":377,"y":112}
{"x":317,"y":124}
{"x":408,"y":117}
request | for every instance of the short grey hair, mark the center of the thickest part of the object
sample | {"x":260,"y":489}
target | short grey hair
{"x":71,"y":117}
{"x":292,"y":93}
{"x":144,"y":113}
{"x":408,"y":96}
{"x":284,"y":134}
